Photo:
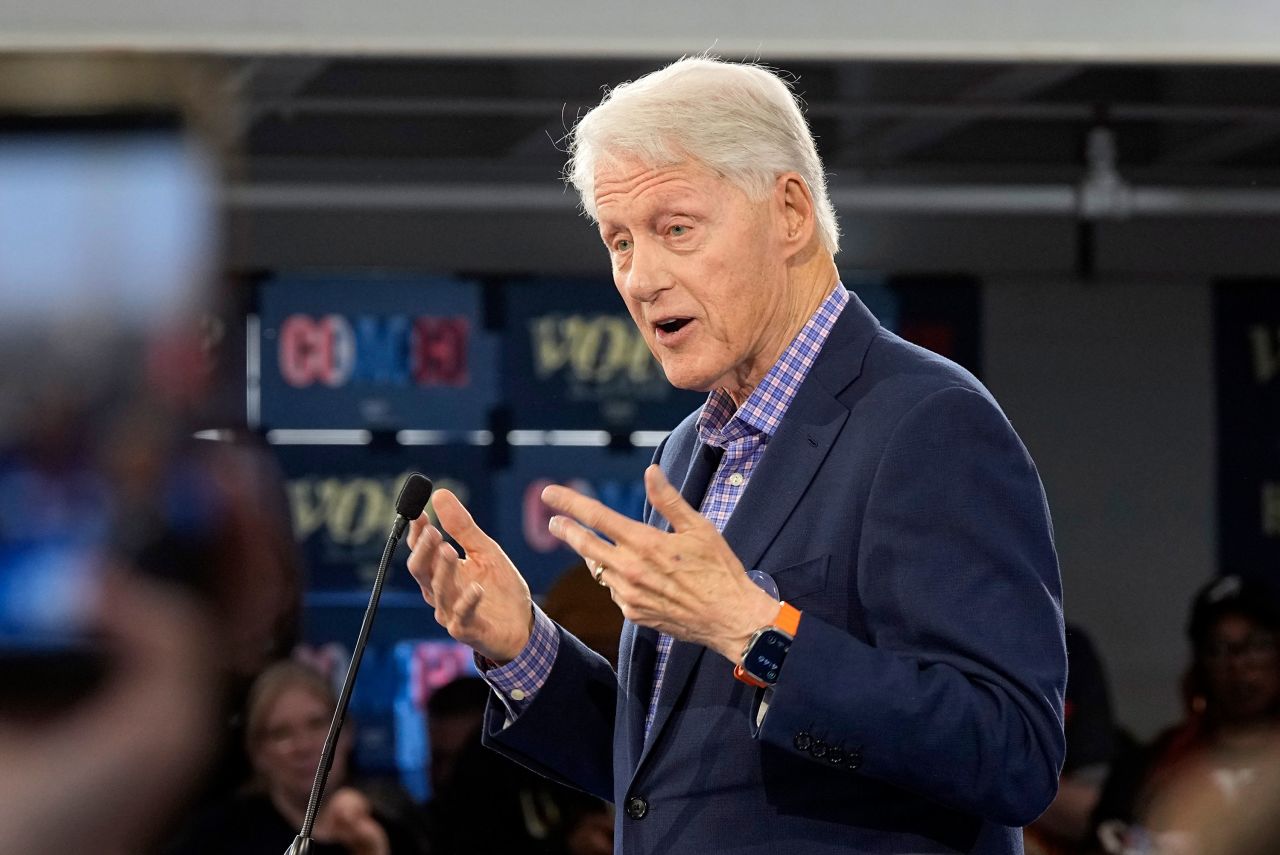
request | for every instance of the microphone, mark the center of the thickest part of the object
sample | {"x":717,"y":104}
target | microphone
{"x":409,"y":506}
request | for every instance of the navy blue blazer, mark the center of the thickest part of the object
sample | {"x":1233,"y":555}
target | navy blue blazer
{"x":920,"y":707}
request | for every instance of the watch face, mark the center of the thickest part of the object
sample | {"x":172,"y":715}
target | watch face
{"x":764,"y":657}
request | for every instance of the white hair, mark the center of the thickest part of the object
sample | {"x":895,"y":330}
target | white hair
{"x":739,"y":119}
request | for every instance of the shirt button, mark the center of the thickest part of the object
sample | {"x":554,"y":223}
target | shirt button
{"x":637,"y":807}
{"x":517,"y":694}
{"x":736,"y":479}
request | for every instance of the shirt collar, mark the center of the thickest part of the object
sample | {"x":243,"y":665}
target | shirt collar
{"x":768,"y":403}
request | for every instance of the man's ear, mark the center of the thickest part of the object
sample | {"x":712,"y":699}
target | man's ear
{"x":795,"y":204}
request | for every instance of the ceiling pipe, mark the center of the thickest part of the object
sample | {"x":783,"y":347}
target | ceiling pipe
{"x":1100,"y":196}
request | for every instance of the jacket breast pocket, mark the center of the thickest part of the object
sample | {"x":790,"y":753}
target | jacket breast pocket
{"x":796,"y":581}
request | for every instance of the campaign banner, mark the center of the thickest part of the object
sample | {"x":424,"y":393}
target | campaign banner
{"x":343,"y":504}
{"x":574,"y":360}
{"x":383,"y":354}
{"x":614,"y":477}
{"x":1247,"y":349}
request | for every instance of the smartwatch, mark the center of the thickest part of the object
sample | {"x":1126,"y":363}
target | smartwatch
{"x":763,"y":656}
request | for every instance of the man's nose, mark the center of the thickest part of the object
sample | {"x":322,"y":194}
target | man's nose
{"x":646,"y":274}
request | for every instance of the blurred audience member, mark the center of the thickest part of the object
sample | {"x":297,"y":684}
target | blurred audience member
{"x":1249,"y":827}
{"x":256,"y":586}
{"x":1232,"y":691}
{"x":103,"y":774}
{"x":483,"y":803}
{"x":259,"y":569}
{"x":454,"y":712}
{"x":289,"y":710}
{"x":584,"y":608}
{"x":1091,"y":738}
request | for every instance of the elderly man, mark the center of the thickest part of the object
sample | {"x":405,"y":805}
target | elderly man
{"x":843,"y":629}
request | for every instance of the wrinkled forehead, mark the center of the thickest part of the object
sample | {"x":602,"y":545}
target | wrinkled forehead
{"x":623,"y":171}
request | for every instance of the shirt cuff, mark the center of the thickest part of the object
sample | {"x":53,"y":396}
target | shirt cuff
{"x":520,"y":679}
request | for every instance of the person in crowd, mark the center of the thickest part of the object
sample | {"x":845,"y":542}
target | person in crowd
{"x":1092,"y":736}
{"x":1249,"y":826}
{"x":483,"y":803}
{"x":576,"y":603}
{"x":844,"y":627}
{"x":1232,"y":694}
{"x":288,"y":715}
{"x":258,"y":586}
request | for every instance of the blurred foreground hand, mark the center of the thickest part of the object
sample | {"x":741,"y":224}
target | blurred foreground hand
{"x":104,"y":775}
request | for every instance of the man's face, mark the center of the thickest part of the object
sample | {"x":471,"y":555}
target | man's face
{"x":1243,"y":668}
{"x":701,"y":268}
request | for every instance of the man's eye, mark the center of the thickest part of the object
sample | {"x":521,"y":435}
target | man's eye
{"x":621,"y":245}
{"x":679,"y":231}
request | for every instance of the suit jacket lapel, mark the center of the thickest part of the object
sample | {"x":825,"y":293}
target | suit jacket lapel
{"x":697,"y":463}
{"x":804,"y":438}
{"x":637,"y":653}
{"x":790,"y":463}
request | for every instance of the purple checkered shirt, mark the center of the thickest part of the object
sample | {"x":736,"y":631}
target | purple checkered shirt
{"x":743,"y":435}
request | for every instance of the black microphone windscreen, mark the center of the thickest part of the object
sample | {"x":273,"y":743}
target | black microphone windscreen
{"x":413,"y":496}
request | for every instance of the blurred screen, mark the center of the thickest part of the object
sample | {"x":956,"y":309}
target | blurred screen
{"x":106,"y":221}
{"x":107,"y":238}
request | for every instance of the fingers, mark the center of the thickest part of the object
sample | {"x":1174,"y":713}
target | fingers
{"x":446,"y":583}
{"x":594,"y":514}
{"x":424,"y":554}
{"x":457,"y":520}
{"x":666,"y":499}
{"x":593,"y":549}
{"x":416,"y":528}
{"x":349,"y":820}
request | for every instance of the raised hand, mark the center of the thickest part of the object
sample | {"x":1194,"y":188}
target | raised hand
{"x":481,"y":600}
{"x":347,"y":818}
{"x":686,"y":582}
{"x":122,"y":759}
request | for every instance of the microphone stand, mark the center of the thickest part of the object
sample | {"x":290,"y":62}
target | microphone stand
{"x":302,"y":843}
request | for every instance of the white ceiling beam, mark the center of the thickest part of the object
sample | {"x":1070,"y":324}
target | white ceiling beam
{"x":1224,"y":31}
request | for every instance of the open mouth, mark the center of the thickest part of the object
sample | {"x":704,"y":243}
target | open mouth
{"x":673,"y":326}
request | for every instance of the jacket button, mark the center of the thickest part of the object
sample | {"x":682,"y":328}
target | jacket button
{"x":802,"y":741}
{"x":835,"y":757}
{"x":854,"y":759}
{"x":818,"y":749}
{"x":637,"y":807}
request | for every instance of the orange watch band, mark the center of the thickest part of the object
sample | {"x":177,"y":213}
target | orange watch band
{"x":787,"y":620}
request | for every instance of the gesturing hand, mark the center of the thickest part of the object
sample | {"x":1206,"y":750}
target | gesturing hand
{"x":120,"y":760}
{"x":481,"y":600}
{"x":686,"y":583}
{"x":347,"y":818}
